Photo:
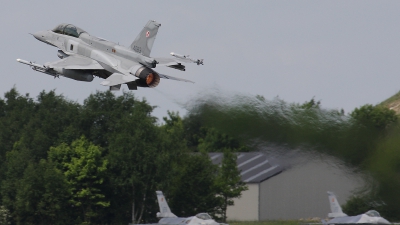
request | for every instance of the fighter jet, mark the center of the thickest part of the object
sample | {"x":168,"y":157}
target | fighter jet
{"x":338,"y":217}
{"x":167,"y":217}
{"x":84,"y":56}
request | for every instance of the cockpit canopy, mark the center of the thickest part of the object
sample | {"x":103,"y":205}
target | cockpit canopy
{"x":373,"y":213}
{"x":68,"y":29}
{"x":203,"y":216}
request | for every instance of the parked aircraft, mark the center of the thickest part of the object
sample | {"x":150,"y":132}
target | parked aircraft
{"x":84,"y":56}
{"x":167,"y":217}
{"x":338,"y":217}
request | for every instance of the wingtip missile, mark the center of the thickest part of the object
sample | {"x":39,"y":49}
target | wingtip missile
{"x":38,"y":67}
{"x":187,"y":58}
{"x":28,"y":63}
{"x":179,"y":55}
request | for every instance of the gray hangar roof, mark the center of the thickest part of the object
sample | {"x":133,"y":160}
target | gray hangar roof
{"x":254,"y":166}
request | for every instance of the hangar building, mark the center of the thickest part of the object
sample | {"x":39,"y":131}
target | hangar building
{"x":278,"y":189}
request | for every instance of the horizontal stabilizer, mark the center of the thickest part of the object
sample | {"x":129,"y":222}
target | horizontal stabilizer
{"x":174,"y":78}
{"x":117,"y":78}
{"x":178,"y":67}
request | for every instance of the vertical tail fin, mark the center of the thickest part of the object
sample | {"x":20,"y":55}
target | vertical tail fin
{"x":164,"y":208}
{"x":335,"y":207}
{"x":145,"y":40}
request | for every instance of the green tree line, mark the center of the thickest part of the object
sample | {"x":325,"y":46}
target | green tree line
{"x":101,"y":162}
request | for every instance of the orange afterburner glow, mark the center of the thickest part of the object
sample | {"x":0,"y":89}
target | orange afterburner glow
{"x":149,"y":79}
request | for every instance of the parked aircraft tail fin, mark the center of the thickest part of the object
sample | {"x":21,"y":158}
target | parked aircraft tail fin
{"x":335,"y":207}
{"x":145,"y":40}
{"x":165,"y":211}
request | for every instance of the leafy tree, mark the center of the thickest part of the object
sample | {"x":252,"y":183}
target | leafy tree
{"x":260,"y":98}
{"x":174,"y":145}
{"x":136,"y":162}
{"x":376,"y":116}
{"x":194,"y":188}
{"x":228,"y":183}
{"x":215,"y":141}
{"x":126,"y":155}
{"x":42,"y":195}
{"x":102,"y":111}
{"x":359,"y":204}
{"x":15,"y":112}
{"x":356,"y":205}
{"x":208,"y":140}
{"x":85,"y":170}
{"x":51,"y":116}
{"x":16,"y":162}
{"x":192,"y":125}
{"x":173,"y":126}
{"x":311,"y":104}
{"x":200,"y":137}
{"x":27,"y":129}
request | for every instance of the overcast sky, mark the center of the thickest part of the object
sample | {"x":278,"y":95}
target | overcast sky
{"x":345,"y":53}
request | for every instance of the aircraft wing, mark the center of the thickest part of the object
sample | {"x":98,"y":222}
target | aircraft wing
{"x":75,"y":62}
{"x":174,"y":78}
{"x":173,"y":63}
{"x":167,"y":61}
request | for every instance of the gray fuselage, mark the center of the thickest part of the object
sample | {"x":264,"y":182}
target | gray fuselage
{"x":111,"y":56}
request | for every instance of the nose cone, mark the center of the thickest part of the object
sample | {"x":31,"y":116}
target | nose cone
{"x":41,"y":35}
